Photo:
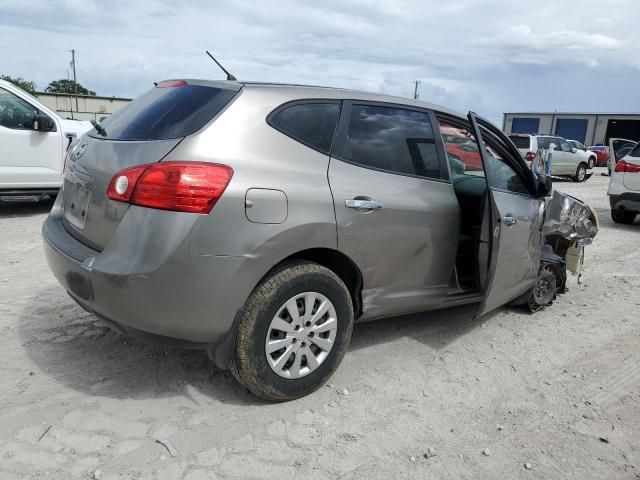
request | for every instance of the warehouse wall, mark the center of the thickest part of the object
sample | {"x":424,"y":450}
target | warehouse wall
{"x":89,"y":107}
{"x":596,"y":130}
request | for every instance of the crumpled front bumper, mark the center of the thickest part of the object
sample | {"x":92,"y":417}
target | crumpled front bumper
{"x":569,"y":225}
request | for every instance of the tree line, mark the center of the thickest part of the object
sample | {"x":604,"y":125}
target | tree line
{"x":57,"y":86}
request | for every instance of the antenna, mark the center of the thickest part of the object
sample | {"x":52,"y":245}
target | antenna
{"x":229,"y":76}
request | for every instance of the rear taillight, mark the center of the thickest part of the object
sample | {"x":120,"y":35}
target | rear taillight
{"x":124,"y":182}
{"x":530,"y":156}
{"x":625,"y":167}
{"x":193,"y":187}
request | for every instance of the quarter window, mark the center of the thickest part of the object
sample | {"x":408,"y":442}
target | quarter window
{"x":15,"y":112}
{"x":312,"y":124}
{"x":392,"y":139}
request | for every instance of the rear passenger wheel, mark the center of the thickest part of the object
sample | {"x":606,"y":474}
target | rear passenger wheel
{"x":623,"y":216}
{"x":592,"y":162}
{"x":293,"y":333}
{"x":581,"y":173}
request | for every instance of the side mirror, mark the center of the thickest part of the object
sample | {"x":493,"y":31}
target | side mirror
{"x":552,"y":146}
{"x":544,"y":185}
{"x":42,"y":123}
{"x":574,"y":150}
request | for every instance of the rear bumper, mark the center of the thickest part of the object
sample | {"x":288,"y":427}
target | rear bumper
{"x":183,"y":296}
{"x":628,"y":200}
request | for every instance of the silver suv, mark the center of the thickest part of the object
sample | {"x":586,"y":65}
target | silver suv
{"x":567,"y":160}
{"x":260,"y":221}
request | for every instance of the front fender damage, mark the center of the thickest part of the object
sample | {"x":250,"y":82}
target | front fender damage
{"x":569,"y":225}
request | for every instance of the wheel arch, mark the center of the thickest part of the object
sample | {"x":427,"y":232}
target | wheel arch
{"x":336,"y":261}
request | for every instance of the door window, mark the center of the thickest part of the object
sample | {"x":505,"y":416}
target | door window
{"x":462,"y":150}
{"x":393,"y":140}
{"x":312,"y":124}
{"x":543,"y":143}
{"x":15,"y":112}
{"x":502,"y":176}
{"x":564,"y":145}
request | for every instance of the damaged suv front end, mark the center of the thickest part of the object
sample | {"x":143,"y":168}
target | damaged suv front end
{"x":569,"y":225}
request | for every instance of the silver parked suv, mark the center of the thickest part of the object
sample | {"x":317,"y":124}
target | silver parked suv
{"x":260,"y":221}
{"x":567,"y":160}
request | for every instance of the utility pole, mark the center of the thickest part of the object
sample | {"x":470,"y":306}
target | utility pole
{"x":75,"y":82}
{"x":415,"y":90}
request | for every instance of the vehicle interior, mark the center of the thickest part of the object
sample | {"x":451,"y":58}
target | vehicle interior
{"x":470,"y":186}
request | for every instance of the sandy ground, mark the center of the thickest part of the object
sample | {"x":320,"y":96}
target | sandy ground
{"x":558,"y":390}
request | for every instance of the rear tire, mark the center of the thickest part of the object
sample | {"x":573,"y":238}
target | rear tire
{"x":592,"y":162}
{"x":266,"y":319}
{"x":581,"y":173}
{"x":623,"y":216}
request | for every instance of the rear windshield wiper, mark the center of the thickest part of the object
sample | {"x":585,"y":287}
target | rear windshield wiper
{"x":99,"y":128}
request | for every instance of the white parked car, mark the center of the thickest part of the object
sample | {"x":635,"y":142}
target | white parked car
{"x":592,"y":159}
{"x":624,"y":184}
{"x":34,"y":141}
{"x":567,"y":161}
{"x":618,"y":149}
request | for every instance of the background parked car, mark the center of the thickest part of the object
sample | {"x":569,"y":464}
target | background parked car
{"x":567,"y":161}
{"x":591,"y":156}
{"x":34,"y":141}
{"x":620,"y":148}
{"x":602,"y":154}
{"x":624,"y":185}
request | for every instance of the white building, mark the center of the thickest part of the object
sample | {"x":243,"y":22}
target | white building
{"x":88,"y":107}
{"x":588,"y":128}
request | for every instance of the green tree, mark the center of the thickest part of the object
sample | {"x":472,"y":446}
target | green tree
{"x":21,"y":83}
{"x":67,"y":86}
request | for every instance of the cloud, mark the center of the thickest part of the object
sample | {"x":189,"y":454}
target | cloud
{"x":488,"y":56}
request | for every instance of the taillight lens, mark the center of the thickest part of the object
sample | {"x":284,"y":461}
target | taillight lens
{"x":530,"y":156}
{"x":625,"y":167}
{"x":192,"y":187}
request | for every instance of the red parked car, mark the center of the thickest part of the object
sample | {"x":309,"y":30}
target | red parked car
{"x":466,"y":152}
{"x":602,"y":154}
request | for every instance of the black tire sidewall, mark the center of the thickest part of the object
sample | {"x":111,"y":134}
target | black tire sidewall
{"x":307,"y":282}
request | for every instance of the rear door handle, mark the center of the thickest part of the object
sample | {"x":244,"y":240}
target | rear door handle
{"x":363,"y":204}
{"x":509,"y":220}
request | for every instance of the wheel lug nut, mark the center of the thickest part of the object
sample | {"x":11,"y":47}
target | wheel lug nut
{"x":308,"y":324}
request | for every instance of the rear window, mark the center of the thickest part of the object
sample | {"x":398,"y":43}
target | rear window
{"x":165,"y":113}
{"x":310,"y":123}
{"x":520,"y":142}
{"x":636,"y":151}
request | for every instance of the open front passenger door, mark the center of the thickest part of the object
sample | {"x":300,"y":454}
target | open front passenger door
{"x":516,"y":216}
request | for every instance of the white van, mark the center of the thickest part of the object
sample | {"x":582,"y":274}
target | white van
{"x":33,"y":144}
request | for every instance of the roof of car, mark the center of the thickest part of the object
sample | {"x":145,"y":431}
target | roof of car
{"x":299,"y":92}
{"x":311,"y":91}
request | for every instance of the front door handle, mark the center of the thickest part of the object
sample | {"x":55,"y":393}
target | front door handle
{"x":509,"y":220}
{"x":359,"y":204}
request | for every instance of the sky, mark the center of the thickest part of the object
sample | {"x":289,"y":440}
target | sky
{"x":488,"y":56}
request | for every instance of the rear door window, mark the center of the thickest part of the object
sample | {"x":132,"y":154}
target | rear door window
{"x":166,"y":112}
{"x":310,"y":123}
{"x":392,"y":139}
{"x":543,"y":143}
